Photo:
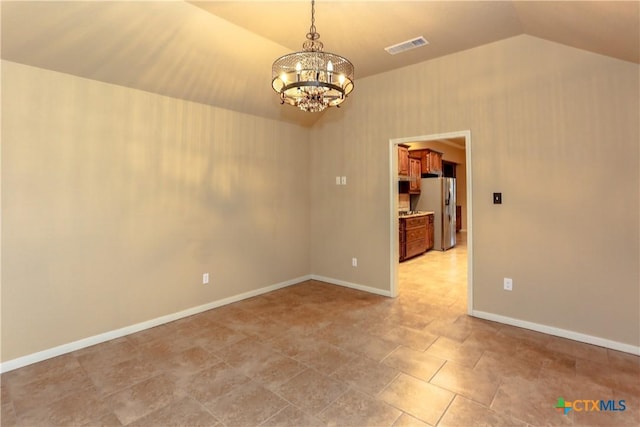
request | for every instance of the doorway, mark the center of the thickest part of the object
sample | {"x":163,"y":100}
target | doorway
{"x":393,"y":203}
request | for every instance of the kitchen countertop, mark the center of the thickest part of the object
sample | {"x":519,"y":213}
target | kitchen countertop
{"x":414,"y":215}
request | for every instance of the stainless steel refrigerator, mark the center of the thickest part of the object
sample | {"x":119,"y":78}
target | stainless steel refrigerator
{"x":439,"y":195}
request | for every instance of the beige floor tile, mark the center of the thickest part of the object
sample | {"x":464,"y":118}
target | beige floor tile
{"x":106,"y":354}
{"x":260,"y":361}
{"x":276,"y":370}
{"x":458,"y":331}
{"x":418,"y":398}
{"x":409,"y":320}
{"x":617,"y":417}
{"x":356,"y":409}
{"x":530,"y":401}
{"x":366,"y":375}
{"x":38,"y":371}
{"x":454,"y":351}
{"x":84,"y":407}
{"x":149,"y":335}
{"x":624,"y":361}
{"x":406,"y":420}
{"x":499,"y":367}
{"x":185,"y":362}
{"x":143,"y":398}
{"x":213,"y":382}
{"x":184,"y":412}
{"x":475,"y":385}
{"x":464,"y":412}
{"x":415,"y":363}
{"x":215,"y":337}
{"x":248,"y":404}
{"x":407,"y":337}
{"x":316,"y":353}
{"x":578,"y":349}
{"x":369,"y":346}
{"x":311,"y":391}
{"x":47,"y":386}
{"x":122,"y":375}
{"x":525,"y":335}
{"x":292,"y":417}
{"x":7,"y":414}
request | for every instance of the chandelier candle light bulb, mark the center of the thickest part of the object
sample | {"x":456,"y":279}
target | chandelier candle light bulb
{"x":313,"y":88}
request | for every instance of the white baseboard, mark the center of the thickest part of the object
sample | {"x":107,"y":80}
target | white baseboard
{"x":352,"y":285}
{"x":127,"y":330}
{"x":563,"y":333}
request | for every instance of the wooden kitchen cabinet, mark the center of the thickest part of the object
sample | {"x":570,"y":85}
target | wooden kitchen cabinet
{"x":402,"y":241}
{"x":415,"y":176}
{"x":430,"y":230}
{"x":431,"y":161}
{"x":413,"y":236}
{"x":403,"y":160}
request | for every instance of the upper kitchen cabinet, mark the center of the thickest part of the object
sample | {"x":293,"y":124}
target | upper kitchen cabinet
{"x":403,"y":160}
{"x":415,"y":175}
{"x":431,"y":161}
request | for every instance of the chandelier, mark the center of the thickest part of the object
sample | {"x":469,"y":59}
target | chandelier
{"x":311,"y":79}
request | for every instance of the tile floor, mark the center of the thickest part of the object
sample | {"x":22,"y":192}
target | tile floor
{"x":316,"y":354}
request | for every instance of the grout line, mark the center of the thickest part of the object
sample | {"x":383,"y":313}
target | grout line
{"x":436,"y":372}
{"x":447,"y":408}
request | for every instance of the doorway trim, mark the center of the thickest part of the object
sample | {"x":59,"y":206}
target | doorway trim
{"x":393,"y":206}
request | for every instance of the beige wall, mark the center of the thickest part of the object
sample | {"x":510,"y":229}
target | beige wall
{"x":115,"y":201}
{"x":555,"y":129}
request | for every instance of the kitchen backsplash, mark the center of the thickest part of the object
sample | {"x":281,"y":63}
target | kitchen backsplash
{"x":403,"y":202}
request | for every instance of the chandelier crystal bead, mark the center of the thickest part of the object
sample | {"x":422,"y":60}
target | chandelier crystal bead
{"x":307,"y":79}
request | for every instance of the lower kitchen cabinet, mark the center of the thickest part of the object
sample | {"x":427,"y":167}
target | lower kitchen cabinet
{"x":430,"y":243}
{"x":415,"y":235}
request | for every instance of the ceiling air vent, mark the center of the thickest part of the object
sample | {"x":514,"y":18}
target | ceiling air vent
{"x":409,"y":44}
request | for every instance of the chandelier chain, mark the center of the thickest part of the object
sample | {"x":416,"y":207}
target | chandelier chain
{"x":313,"y":33}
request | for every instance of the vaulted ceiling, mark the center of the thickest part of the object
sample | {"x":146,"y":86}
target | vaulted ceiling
{"x":220,"y":52}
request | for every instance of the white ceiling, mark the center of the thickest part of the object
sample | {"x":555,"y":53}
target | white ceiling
{"x":220,"y":52}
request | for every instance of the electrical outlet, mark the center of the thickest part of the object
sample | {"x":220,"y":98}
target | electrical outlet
{"x":343,"y":180}
{"x":354,"y":262}
{"x":205,"y":278}
{"x":508,"y":284}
